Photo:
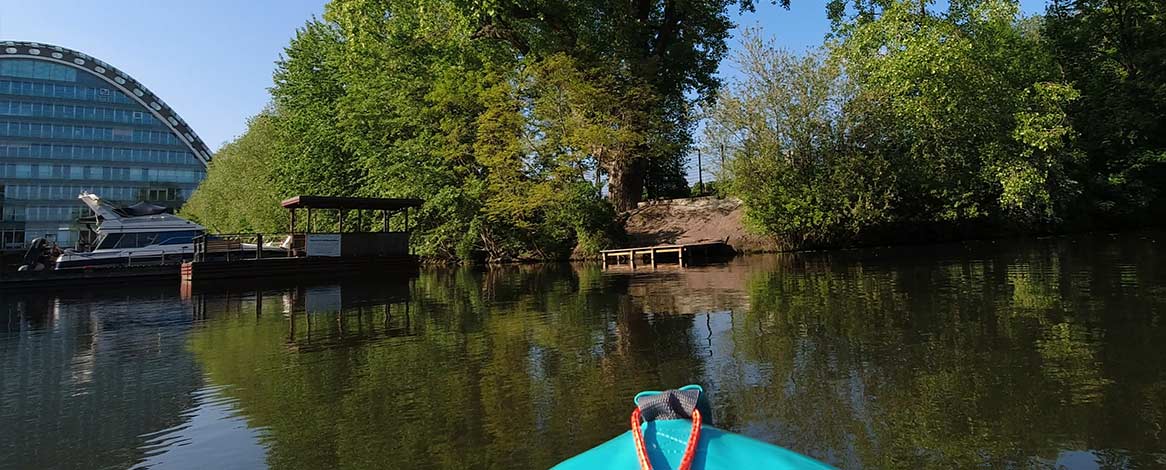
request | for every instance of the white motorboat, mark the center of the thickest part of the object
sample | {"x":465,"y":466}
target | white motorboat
{"x":135,"y":235}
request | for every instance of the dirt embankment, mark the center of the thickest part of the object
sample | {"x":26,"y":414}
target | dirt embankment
{"x":694,"y":220}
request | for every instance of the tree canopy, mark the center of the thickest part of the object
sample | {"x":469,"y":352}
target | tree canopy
{"x":972,"y":119}
{"x":528,"y":127}
{"x":509,"y":119}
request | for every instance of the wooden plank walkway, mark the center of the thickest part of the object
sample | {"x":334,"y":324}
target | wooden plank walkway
{"x":683,"y":252}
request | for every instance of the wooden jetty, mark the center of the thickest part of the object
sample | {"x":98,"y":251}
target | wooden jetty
{"x":299,"y":267}
{"x":679,"y":254}
{"x":306,"y":250}
{"x":51,"y":278}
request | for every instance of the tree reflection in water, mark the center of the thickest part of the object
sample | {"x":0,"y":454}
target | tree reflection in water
{"x":998,"y":354}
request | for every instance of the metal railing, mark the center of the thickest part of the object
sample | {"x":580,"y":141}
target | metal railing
{"x":240,"y":246}
{"x":154,"y":257}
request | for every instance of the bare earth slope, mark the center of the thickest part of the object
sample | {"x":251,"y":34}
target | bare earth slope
{"x":694,"y":220}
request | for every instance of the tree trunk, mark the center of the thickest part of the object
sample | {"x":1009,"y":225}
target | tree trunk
{"x":625,"y":182}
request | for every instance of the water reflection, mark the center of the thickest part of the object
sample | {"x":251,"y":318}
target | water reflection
{"x":82,"y":376}
{"x":1044,"y":353}
{"x":213,"y":434}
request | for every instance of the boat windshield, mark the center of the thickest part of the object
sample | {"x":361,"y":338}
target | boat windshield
{"x":106,"y":241}
{"x":123,"y":241}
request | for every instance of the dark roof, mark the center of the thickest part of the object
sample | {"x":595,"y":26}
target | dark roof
{"x":327,"y":202}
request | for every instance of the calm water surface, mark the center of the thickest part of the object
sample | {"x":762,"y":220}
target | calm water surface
{"x":1013,"y":354}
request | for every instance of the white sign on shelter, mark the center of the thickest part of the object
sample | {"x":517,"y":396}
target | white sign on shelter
{"x":323,"y":244}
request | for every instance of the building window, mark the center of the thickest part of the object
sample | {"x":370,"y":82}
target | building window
{"x":13,"y":239}
{"x":38,"y":69}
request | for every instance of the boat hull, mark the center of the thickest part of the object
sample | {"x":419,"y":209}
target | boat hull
{"x":666,"y":440}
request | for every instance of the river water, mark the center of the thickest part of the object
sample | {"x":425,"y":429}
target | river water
{"x":1043,"y":353}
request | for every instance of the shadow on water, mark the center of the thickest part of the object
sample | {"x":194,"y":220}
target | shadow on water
{"x":1037,"y":353}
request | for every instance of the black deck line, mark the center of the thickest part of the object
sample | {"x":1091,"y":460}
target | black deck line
{"x":50,"y":279}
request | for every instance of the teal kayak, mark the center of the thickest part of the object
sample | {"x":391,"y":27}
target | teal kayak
{"x":666,"y":422}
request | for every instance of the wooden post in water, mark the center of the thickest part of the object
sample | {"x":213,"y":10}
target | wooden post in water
{"x":291,"y":230}
{"x":291,"y":332}
{"x":259,"y":246}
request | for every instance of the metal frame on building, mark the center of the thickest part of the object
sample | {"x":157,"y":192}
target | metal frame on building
{"x":120,"y":80}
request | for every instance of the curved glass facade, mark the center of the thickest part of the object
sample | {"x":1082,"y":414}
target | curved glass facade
{"x":65,"y":129}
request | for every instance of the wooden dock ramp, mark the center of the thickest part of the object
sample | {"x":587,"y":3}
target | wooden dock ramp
{"x":679,"y":254}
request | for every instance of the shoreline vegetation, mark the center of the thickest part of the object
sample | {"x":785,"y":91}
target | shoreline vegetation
{"x":533,"y":131}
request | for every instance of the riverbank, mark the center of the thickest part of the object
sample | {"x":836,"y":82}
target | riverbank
{"x":711,"y":218}
{"x":694,"y":220}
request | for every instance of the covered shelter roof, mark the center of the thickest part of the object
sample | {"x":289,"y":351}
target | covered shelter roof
{"x":350,"y":203}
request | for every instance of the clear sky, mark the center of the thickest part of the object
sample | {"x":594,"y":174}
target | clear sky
{"x":211,"y":60}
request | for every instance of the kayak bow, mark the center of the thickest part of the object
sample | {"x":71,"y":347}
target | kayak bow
{"x":673,"y":430}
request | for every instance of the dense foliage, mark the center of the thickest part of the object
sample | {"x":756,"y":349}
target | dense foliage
{"x":797,"y":158}
{"x":239,"y":194}
{"x":1114,"y":53}
{"x":509,"y":119}
{"x":512,"y":120}
{"x":969,"y":120}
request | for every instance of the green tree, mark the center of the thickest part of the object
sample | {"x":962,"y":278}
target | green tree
{"x":797,"y":158}
{"x":1114,"y":52}
{"x":240,"y":193}
{"x":960,"y":99}
{"x":503,"y":117}
{"x":656,"y":59}
{"x":910,"y":118}
{"x":308,"y":84}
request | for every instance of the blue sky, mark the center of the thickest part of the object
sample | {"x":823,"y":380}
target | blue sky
{"x":211,"y":60}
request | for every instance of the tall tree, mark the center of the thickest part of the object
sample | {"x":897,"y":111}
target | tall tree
{"x":1114,"y":52}
{"x":971,"y":110}
{"x":308,"y":84}
{"x":797,"y":153}
{"x":668,"y":48}
{"x":246,"y":166}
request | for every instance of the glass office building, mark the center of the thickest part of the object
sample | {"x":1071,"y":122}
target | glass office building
{"x":71,"y":123}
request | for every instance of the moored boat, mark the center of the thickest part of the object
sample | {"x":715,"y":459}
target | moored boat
{"x":141,"y":234}
{"x":138,"y":235}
